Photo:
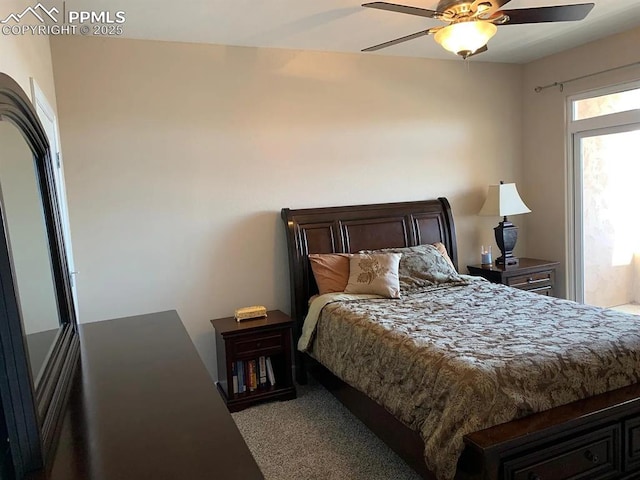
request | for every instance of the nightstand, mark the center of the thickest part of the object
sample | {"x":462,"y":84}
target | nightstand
{"x":531,"y":274}
{"x":242,"y":347}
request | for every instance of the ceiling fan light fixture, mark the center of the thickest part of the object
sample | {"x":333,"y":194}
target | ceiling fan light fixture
{"x":483,"y":7}
{"x":464,"y":38}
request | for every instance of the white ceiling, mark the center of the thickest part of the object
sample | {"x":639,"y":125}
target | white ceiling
{"x":345,"y":26}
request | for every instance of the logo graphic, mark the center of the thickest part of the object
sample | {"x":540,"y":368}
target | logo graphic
{"x":71,"y":22}
{"x":34,"y":11}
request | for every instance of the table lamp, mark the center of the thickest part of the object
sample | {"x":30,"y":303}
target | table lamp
{"x":503,"y":200}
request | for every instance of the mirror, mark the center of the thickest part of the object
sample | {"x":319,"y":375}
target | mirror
{"x":24,"y":220}
{"x":39,"y":345}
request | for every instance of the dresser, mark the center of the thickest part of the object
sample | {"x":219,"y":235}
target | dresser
{"x":530,"y":274}
{"x":143,"y":406}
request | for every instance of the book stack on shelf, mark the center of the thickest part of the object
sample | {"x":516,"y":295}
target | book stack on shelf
{"x":252,"y":375}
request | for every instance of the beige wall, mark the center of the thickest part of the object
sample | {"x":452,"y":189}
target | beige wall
{"x":545,"y":143}
{"x":636,"y":278}
{"x":179,"y":158}
{"x":25,"y":56}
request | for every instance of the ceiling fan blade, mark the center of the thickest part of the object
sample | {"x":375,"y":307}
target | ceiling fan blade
{"x":392,"y":7}
{"x":560,"y":13}
{"x":500,"y":3}
{"x":396,"y":41}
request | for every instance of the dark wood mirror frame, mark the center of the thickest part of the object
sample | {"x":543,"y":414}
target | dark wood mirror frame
{"x":33,"y":415}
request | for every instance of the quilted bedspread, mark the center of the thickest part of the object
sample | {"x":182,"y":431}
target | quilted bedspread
{"x":451,"y":360}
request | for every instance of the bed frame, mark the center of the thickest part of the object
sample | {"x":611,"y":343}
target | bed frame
{"x":595,"y":438}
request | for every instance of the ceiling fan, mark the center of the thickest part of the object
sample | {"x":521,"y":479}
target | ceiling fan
{"x":473,"y":22}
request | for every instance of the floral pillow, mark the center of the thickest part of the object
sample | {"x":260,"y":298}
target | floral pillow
{"x":375,"y":273}
{"x":424,"y":266}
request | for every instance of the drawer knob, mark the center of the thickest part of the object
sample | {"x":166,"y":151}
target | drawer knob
{"x":533,"y":476}
{"x":258,"y":344}
{"x":530,"y":279}
{"x":589,"y":455}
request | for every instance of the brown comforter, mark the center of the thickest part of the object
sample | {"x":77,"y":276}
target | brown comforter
{"x":452,"y":360}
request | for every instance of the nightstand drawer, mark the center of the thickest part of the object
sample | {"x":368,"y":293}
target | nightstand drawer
{"x":530,"y":274}
{"x":531,"y":281}
{"x":259,"y":344}
{"x":547,"y":291}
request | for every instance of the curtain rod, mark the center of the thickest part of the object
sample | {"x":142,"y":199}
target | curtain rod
{"x":538,"y":89}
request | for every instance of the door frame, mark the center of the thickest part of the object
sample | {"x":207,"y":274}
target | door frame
{"x":42,"y":104}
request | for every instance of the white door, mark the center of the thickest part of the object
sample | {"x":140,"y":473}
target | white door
{"x":603,"y":170}
{"x":49,"y":121}
{"x":608,"y":240}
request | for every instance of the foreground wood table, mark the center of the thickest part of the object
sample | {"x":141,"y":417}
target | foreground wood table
{"x":144,"y":406}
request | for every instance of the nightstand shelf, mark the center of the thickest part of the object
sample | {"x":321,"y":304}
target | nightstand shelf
{"x":248,"y":341}
{"x":531,"y":274}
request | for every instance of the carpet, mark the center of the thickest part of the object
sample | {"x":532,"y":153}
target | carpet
{"x":316,"y":437}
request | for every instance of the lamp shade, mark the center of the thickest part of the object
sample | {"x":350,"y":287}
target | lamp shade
{"x":465,"y":37}
{"x":503,"y":200}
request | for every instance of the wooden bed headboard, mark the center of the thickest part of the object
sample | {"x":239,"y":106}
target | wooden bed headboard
{"x":359,"y":227}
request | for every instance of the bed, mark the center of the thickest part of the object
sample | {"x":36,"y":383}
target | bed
{"x":593,"y":437}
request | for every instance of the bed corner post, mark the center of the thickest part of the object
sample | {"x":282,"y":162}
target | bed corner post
{"x":300,"y":369}
{"x":295,"y":286}
{"x":451,"y":242}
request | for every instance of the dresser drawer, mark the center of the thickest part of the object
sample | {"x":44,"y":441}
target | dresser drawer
{"x":588,"y":456}
{"x":258,"y":344}
{"x":531,"y":281}
{"x":632,"y":444}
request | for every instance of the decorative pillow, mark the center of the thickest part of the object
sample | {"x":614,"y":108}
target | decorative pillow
{"x":423,"y":266}
{"x":443,"y":250}
{"x":375,"y":273}
{"x":331,"y":271}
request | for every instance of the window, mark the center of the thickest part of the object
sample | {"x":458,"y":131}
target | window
{"x":606,"y":104}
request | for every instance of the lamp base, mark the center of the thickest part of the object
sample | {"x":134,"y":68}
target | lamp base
{"x":506,"y":234}
{"x":507,"y":262}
